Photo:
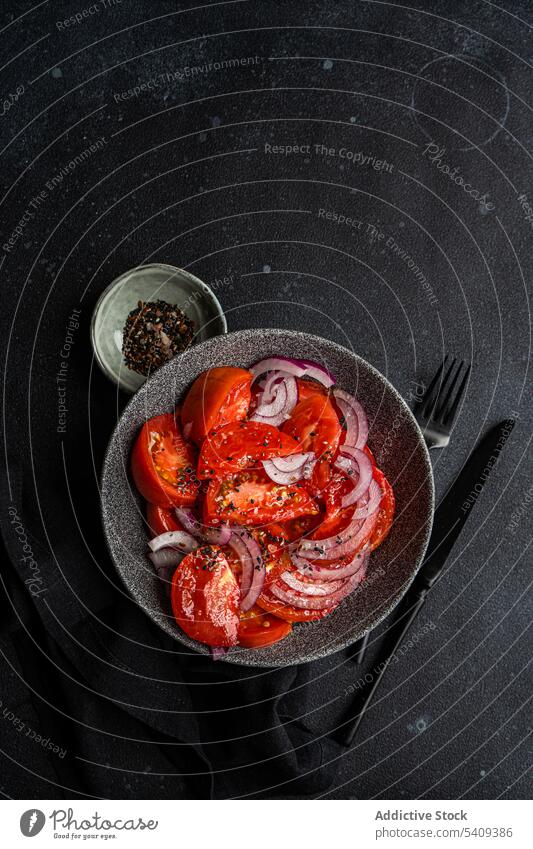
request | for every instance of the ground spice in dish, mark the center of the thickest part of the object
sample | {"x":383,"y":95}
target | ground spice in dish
{"x":154,"y":333}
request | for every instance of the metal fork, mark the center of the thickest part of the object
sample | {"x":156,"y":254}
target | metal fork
{"x":436,"y":412}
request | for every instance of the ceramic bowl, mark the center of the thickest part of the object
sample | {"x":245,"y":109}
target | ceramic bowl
{"x":394,"y":437}
{"x":155,"y":281}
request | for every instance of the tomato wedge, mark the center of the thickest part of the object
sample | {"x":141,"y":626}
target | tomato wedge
{"x":161,"y":519}
{"x":205,"y":597}
{"x":251,"y":498}
{"x":163,"y":463}
{"x":258,"y":629}
{"x":315,"y":425}
{"x":241,"y":445}
{"x":386,"y":511}
{"x":270,"y":603}
{"x":218,"y":396}
{"x":308,"y":388}
{"x":296,"y":529}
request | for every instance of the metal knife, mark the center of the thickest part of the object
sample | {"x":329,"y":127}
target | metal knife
{"x":449,"y":520}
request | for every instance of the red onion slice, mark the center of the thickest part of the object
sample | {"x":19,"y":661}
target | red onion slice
{"x":317,"y":372}
{"x":296,"y":368}
{"x":253,"y":568}
{"x":295,"y":465}
{"x":355,"y":418}
{"x":333,"y":548}
{"x":276,"y":406}
{"x":360,"y":467}
{"x":173,"y":539}
{"x":164,"y":558}
{"x":275,"y":421}
{"x":217,"y":536}
{"x":218,"y":652}
{"x":330,"y":573}
{"x":277,"y":400}
{"x":314,"y":588}
{"x":186,"y":430}
{"x":165,"y":563}
{"x":292,"y":462}
{"x":307,"y":602}
{"x":374,"y":496}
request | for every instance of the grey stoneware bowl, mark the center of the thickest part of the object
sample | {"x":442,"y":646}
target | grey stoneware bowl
{"x":394,"y":437}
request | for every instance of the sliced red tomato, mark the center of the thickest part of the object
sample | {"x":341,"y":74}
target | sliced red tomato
{"x":205,"y":597}
{"x":369,"y":454}
{"x":296,"y":529}
{"x":274,"y":550}
{"x":336,"y":518}
{"x":251,"y":498}
{"x":315,"y":425}
{"x":218,"y":396}
{"x":386,"y":511}
{"x":258,"y":629}
{"x":163,"y":463}
{"x":241,"y":445}
{"x":161,"y":519}
{"x":270,"y":603}
{"x":274,"y":545}
{"x":307,"y":388}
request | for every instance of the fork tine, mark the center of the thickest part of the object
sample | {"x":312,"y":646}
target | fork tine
{"x":446,"y":392}
{"x":430,"y":411}
{"x":449,"y":415}
{"x":432,"y":392}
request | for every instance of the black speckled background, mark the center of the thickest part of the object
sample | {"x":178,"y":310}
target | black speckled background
{"x":151,"y":131}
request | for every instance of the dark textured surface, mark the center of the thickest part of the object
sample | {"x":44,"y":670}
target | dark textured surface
{"x":391,"y":568}
{"x":183,"y":177}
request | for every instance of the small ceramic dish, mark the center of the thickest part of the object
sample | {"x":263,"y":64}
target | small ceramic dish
{"x":156,"y":281}
{"x":394,"y":437}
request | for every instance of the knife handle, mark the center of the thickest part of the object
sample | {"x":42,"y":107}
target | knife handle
{"x":404,"y":621}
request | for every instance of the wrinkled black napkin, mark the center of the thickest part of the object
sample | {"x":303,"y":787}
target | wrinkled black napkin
{"x":130,"y":713}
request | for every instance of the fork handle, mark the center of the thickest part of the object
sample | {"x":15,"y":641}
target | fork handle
{"x":410,"y":611}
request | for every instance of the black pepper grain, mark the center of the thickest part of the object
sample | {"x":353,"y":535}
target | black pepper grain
{"x":154,"y":333}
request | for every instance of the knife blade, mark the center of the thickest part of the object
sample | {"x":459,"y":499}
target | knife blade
{"x":454,"y":509}
{"x":449,"y":520}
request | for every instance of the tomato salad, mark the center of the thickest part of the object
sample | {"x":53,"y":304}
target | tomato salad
{"x":264,"y":501}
